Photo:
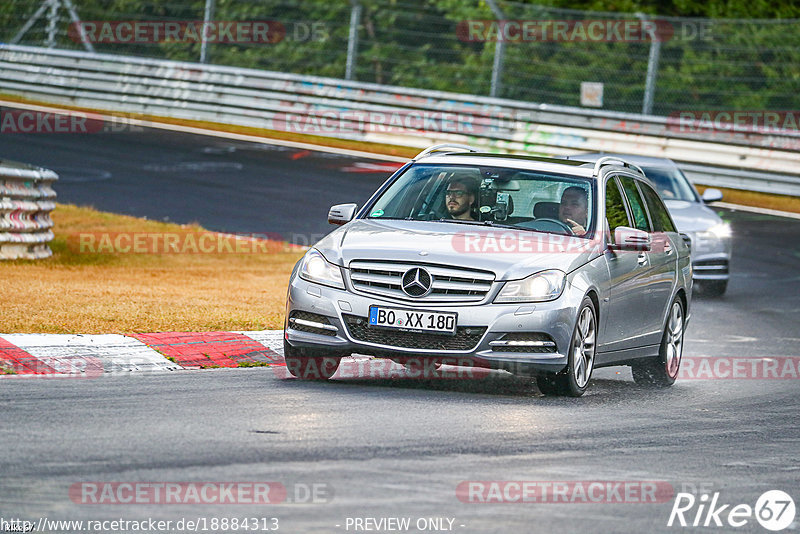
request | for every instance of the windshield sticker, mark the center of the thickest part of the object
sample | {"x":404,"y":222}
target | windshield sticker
{"x":376,"y":213}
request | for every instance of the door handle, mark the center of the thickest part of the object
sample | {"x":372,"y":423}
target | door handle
{"x":642,"y":258}
{"x":667,"y":248}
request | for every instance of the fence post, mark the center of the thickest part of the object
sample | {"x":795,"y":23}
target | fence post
{"x":352,"y":39}
{"x":499,"y":52}
{"x":207,"y":16}
{"x":52,"y":24}
{"x":652,"y":67}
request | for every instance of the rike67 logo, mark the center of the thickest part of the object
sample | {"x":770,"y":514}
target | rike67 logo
{"x":774,"y":510}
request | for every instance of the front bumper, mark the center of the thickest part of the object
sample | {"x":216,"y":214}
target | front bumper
{"x":710,"y":256}
{"x":488,"y":335}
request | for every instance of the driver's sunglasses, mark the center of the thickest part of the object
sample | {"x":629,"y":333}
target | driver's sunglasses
{"x":456,"y":193}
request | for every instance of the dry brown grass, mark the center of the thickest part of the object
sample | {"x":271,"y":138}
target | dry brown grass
{"x":80,"y":291}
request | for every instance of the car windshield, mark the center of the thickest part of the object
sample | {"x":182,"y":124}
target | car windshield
{"x":671,"y":183}
{"x":527,"y":200}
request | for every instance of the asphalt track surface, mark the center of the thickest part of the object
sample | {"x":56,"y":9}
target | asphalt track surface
{"x":396,"y":447}
{"x":225,"y":185}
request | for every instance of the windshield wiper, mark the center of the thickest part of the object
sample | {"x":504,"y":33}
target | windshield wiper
{"x":465,"y":221}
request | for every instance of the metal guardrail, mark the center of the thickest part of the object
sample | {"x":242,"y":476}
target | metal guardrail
{"x":387,"y":114}
{"x":26,"y":200}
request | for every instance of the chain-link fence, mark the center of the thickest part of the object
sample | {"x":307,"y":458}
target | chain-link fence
{"x":620,"y":62}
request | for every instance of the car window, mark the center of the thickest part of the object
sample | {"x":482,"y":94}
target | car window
{"x":524,"y":199}
{"x":671,"y":183}
{"x":615,"y":207}
{"x":662,"y":222}
{"x":636,"y":203}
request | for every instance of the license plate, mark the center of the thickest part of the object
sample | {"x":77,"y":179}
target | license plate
{"x":413,"y":320}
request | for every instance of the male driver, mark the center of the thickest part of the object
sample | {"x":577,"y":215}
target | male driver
{"x":574,"y":209}
{"x":460,"y":197}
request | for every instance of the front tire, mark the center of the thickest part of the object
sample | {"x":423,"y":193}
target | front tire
{"x":573,"y":381}
{"x":307,"y":367}
{"x":662,"y":370}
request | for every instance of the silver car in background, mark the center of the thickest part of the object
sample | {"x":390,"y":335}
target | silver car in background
{"x":710,"y":235}
{"x":519,"y":279}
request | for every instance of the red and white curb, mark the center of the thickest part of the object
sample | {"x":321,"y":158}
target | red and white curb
{"x":30,"y":356}
{"x":79,"y":355}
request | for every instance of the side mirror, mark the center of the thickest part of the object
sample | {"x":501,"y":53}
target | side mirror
{"x":712,"y":195}
{"x":626,"y":238}
{"x":342,"y":213}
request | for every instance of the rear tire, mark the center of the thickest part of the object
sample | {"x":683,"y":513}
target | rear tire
{"x":307,"y":367}
{"x":662,"y":370}
{"x":573,"y":381}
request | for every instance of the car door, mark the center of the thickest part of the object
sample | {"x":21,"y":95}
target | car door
{"x":656,"y":266}
{"x":663,"y":259}
{"x":624,"y":325}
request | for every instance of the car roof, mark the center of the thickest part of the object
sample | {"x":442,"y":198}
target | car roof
{"x":647,"y":161}
{"x":514,"y":161}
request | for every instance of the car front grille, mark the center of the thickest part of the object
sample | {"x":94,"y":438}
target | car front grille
{"x":448,"y":284}
{"x":716,"y":266}
{"x":465,"y":338}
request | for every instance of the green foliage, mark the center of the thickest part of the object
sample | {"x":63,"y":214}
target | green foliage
{"x":715,"y":62}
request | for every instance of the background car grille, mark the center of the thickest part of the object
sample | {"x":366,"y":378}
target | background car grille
{"x":717,"y":266}
{"x":449,"y":284}
{"x":466,"y":337}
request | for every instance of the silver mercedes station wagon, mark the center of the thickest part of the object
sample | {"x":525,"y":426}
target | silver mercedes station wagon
{"x":537,"y":266}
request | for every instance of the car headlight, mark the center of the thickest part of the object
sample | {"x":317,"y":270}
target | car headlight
{"x":315,"y":268}
{"x":539,"y":287}
{"x":721,"y":230}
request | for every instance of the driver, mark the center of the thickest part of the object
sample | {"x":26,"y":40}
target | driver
{"x":460,"y":197}
{"x":574,"y":209}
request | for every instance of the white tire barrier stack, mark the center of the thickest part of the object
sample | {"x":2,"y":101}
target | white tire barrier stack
{"x":26,"y":200}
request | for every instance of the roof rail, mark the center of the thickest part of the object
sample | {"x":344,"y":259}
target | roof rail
{"x":444,"y":148}
{"x":613,"y":160}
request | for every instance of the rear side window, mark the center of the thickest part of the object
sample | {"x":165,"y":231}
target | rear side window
{"x":615,"y":207}
{"x":662,"y":222}
{"x":636,"y":203}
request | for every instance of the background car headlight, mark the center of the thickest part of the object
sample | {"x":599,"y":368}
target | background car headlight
{"x":315,"y":268}
{"x":539,"y":287}
{"x":713,"y":239}
{"x":721,"y":230}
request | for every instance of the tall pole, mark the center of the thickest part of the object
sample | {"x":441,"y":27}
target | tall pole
{"x":207,"y":16}
{"x":499,"y":52}
{"x":352,"y":39}
{"x":52,"y":24}
{"x":652,"y":66}
{"x":73,"y":14}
